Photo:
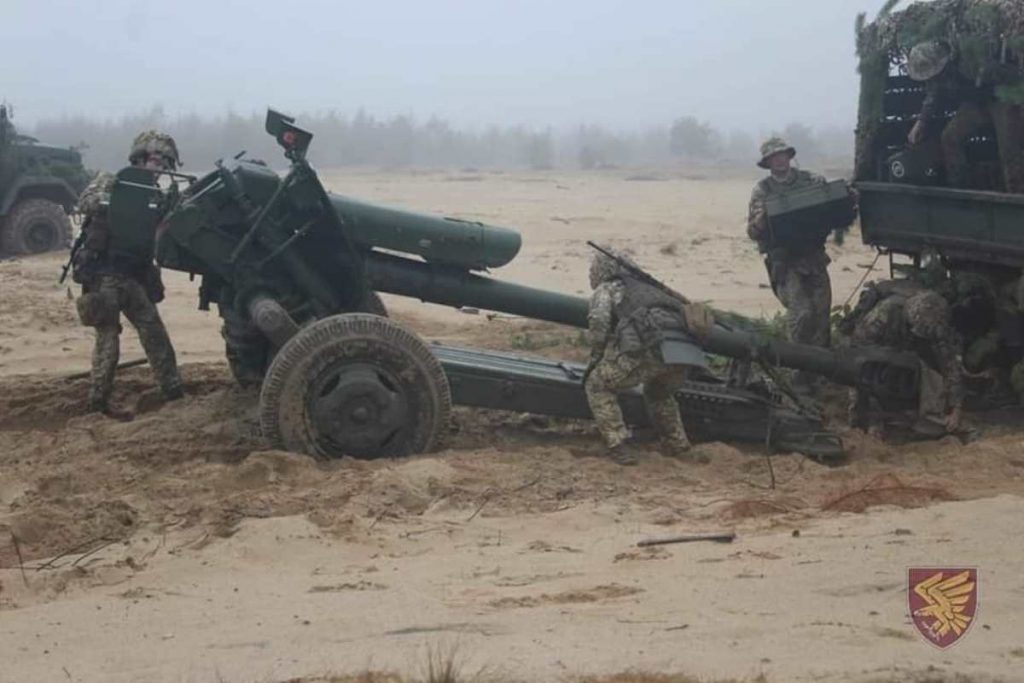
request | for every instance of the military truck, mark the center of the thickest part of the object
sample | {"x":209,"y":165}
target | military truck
{"x":39,"y":186}
{"x":967,"y":241}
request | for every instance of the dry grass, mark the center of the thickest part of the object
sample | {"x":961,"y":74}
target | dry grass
{"x":642,"y":677}
{"x":447,"y":670}
{"x":442,"y":666}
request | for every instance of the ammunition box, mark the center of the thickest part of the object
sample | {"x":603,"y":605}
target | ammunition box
{"x":807,"y":215}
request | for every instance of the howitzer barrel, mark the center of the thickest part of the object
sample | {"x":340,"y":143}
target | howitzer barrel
{"x":456,"y":287}
{"x":881,"y":370}
{"x":886,"y":372}
{"x":438,"y":239}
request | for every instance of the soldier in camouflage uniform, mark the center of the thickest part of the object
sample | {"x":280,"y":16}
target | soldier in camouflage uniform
{"x":798,"y":276}
{"x":113,"y":283}
{"x":904,"y":315}
{"x":624,"y":317}
{"x":933,"y":63}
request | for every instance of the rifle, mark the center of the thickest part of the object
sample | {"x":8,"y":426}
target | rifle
{"x":645,"y":277}
{"x":79,"y":241}
{"x":640,"y":274}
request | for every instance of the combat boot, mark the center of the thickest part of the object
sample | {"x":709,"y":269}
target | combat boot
{"x":676,"y":449}
{"x":173,"y":393}
{"x":620,"y":455}
{"x":684,"y":451}
{"x":102,"y":407}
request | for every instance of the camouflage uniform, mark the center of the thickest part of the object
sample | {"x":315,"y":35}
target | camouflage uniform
{"x":798,"y":276}
{"x":908,"y":317}
{"x":112,"y":286}
{"x":977,"y":108}
{"x":621,"y":360}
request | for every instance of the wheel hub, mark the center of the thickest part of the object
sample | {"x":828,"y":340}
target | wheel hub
{"x":358,"y":409}
{"x":39,"y":237}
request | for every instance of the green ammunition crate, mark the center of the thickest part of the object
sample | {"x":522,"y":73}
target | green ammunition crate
{"x":808,"y":215}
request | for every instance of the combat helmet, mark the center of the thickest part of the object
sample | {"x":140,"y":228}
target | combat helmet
{"x":772,"y":146}
{"x":604,"y":268}
{"x":927,"y":315}
{"x":928,"y":59}
{"x":152,"y":141}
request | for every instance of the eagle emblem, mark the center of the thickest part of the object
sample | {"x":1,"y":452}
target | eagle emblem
{"x":943,"y":602}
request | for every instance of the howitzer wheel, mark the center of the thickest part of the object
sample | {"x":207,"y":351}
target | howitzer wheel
{"x":355,"y":384}
{"x":249,"y":353}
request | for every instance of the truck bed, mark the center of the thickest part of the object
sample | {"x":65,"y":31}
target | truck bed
{"x":962,"y":225}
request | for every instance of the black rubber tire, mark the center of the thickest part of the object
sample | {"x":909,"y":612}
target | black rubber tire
{"x":247,"y":350}
{"x":35,"y":226}
{"x":249,"y":353}
{"x":313,"y":359}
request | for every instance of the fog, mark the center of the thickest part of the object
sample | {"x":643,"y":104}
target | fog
{"x":750,"y":66}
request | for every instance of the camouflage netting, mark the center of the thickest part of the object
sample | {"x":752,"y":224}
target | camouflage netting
{"x":987,"y":37}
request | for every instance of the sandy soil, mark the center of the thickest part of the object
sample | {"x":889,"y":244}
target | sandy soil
{"x":176,"y":547}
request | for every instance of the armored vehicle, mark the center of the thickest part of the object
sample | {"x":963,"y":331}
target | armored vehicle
{"x":294,"y":271}
{"x":967,"y":241}
{"x":39,"y":186}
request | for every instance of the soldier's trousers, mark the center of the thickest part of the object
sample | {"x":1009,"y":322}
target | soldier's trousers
{"x":126,"y":295}
{"x":806,"y":292}
{"x":1008,"y":121}
{"x":616,"y":373}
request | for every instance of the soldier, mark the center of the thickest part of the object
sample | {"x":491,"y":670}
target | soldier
{"x":798,"y":275}
{"x":904,"y":315}
{"x":933,"y":63}
{"x":624,"y":319}
{"x":114,"y":283}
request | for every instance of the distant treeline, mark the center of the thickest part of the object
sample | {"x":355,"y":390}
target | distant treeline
{"x":365,"y":140}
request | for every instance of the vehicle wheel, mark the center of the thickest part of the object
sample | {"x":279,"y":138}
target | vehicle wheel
{"x":247,"y":350}
{"x":35,"y":226}
{"x":355,"y":384}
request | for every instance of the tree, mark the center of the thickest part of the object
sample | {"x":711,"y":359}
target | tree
{"x":802,"y":138}
{"x":540,"y":151}
{"x":692,"y":138}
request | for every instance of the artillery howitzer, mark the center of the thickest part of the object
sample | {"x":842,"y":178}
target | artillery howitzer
{"x":293,"y":270}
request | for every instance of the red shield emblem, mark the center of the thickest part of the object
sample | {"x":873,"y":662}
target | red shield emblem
{"x":943,"y":602}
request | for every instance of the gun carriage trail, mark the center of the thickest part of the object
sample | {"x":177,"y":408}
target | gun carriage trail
{"x":210,"y":556}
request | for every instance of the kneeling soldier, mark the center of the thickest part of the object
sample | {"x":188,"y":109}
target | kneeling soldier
{"x":905,"y":316}
{"x":627,"y":319}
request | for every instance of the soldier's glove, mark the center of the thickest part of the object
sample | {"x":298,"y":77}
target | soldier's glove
{"x":699,"y":320}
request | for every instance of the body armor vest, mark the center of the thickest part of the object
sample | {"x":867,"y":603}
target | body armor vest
{"x":643,"y":314}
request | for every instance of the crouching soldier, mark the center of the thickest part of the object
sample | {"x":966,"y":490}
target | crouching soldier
{"x":627,"y":319}
{"x":115,"y":281}
{"x":905,"y":316}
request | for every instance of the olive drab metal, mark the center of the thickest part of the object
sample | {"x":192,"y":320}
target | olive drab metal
{"x":295,"y":271}
{"x":39,"y":186}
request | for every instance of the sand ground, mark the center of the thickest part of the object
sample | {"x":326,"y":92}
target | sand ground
{"x":176,"y":547}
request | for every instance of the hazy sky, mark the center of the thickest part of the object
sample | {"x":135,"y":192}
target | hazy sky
{"x":753,"y":64}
